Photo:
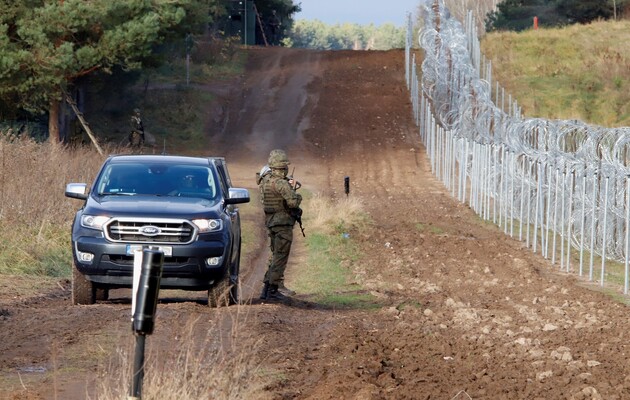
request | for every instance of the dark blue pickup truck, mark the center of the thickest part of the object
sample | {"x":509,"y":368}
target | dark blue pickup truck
{"x":182,"y":206}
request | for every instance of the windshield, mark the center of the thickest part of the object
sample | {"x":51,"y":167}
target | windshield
{"x":157,"y":180}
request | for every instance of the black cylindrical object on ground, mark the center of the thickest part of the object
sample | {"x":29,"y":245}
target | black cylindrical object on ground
{"x":148,"y":291}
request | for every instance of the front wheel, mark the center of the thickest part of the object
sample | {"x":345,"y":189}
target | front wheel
{"x":219,"y":293}
{"x":83,"y":291}
{"x":235,"y":294}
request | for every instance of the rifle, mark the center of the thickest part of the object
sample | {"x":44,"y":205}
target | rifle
{"x":296,"y":184}
{"x":296,"y":213}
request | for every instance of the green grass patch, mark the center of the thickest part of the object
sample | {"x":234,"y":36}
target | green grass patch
{"x":616,"y":296}
{"x":573,"y":72}
{"x":332,"y":250}
{"x":326,"y":278}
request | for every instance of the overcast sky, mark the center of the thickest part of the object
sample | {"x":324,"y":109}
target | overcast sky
{"x":362,"y":12}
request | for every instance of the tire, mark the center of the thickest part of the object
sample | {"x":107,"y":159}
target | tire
{"x":219,"y":293}
{"x":235,"y":294}
{"x":102,"y":294}
{"x":83,"y":291}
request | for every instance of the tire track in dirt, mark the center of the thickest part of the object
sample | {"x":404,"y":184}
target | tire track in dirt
{"x":268,"y":113}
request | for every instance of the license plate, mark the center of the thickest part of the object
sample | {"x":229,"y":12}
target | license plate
{"x":167,"y":250}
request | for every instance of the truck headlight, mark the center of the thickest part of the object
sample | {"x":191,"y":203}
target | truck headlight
{"x":93,"y":221}
{"x":213,"y":261}
{"x":208,"y":225}
{"x":86,"y":258}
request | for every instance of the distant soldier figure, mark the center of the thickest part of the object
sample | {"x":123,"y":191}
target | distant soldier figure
{"x":136,"y":136}
{"x":274,"y":27}
{"x":280,"y":202}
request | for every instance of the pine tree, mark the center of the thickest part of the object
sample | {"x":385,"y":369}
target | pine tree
{"x":518,"y":15}
{"x":46,"y":45}
{"x":584,"y":11}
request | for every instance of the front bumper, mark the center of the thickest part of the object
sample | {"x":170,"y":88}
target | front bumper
{"x":186,"y":268}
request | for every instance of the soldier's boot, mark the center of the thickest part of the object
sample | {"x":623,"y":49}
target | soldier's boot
{"x":285,"y":290}
{"x":265,"y":291}
{"x":275,"y":294}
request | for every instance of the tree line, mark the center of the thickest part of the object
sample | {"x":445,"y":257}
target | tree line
{"x":518,"y":15}
{"x":315,"y":34}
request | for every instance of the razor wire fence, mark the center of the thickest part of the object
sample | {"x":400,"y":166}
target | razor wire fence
{"x":561,"y":186}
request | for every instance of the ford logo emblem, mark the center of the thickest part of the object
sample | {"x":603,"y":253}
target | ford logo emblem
{"x":150,"y":230}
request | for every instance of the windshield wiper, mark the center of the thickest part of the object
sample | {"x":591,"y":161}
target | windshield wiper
{"x":117,"y":194}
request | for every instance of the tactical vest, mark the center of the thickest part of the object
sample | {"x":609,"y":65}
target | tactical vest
{"x":271,"y":199}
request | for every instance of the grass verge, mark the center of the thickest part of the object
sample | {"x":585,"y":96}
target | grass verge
{"x":331,"y":251}
{"x":573,"y":72}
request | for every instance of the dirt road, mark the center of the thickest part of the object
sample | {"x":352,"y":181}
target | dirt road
{"x":465,"y":312}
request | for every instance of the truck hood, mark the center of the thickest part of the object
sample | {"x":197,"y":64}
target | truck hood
{"x":152,"y":206}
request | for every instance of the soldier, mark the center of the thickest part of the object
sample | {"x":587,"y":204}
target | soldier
{"x":274,"y":24}
{"x":280,"y":203}
{"x":136,"y":136}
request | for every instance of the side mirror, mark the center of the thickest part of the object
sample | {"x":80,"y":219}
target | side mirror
{"x":237,"y":196}
{"x":77,"y":191}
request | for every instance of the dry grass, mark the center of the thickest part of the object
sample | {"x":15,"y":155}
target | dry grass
{"x":33,"y":177}
{"x":328,"y":216}
{"x":35,"y":216}
{"x":204,"y":362}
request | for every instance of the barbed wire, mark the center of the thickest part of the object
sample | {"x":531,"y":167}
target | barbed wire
{"x":554,"y":183}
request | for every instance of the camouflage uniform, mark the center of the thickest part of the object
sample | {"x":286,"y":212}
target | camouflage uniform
{"x":278,"y":197}
{"x":136,"y":136}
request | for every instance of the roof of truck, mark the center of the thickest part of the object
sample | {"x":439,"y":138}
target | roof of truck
{"x":174,"y":159}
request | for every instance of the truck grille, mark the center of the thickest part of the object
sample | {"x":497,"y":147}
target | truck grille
{"x":134,"y":230}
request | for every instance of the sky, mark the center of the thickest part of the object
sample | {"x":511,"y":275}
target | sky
{"x":361,"y":12}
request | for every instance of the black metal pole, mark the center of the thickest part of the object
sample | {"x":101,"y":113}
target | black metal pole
{"x":143,"y":321}
{"x":138,"y":368}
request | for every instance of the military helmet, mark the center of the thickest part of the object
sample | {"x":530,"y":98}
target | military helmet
{"x":136,"y":111}
{"x":278,"y":159}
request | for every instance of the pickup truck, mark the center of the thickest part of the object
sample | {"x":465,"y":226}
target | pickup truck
{"x":182,"y":206}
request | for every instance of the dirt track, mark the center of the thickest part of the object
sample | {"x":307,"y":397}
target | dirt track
{"x":466,"y":312}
